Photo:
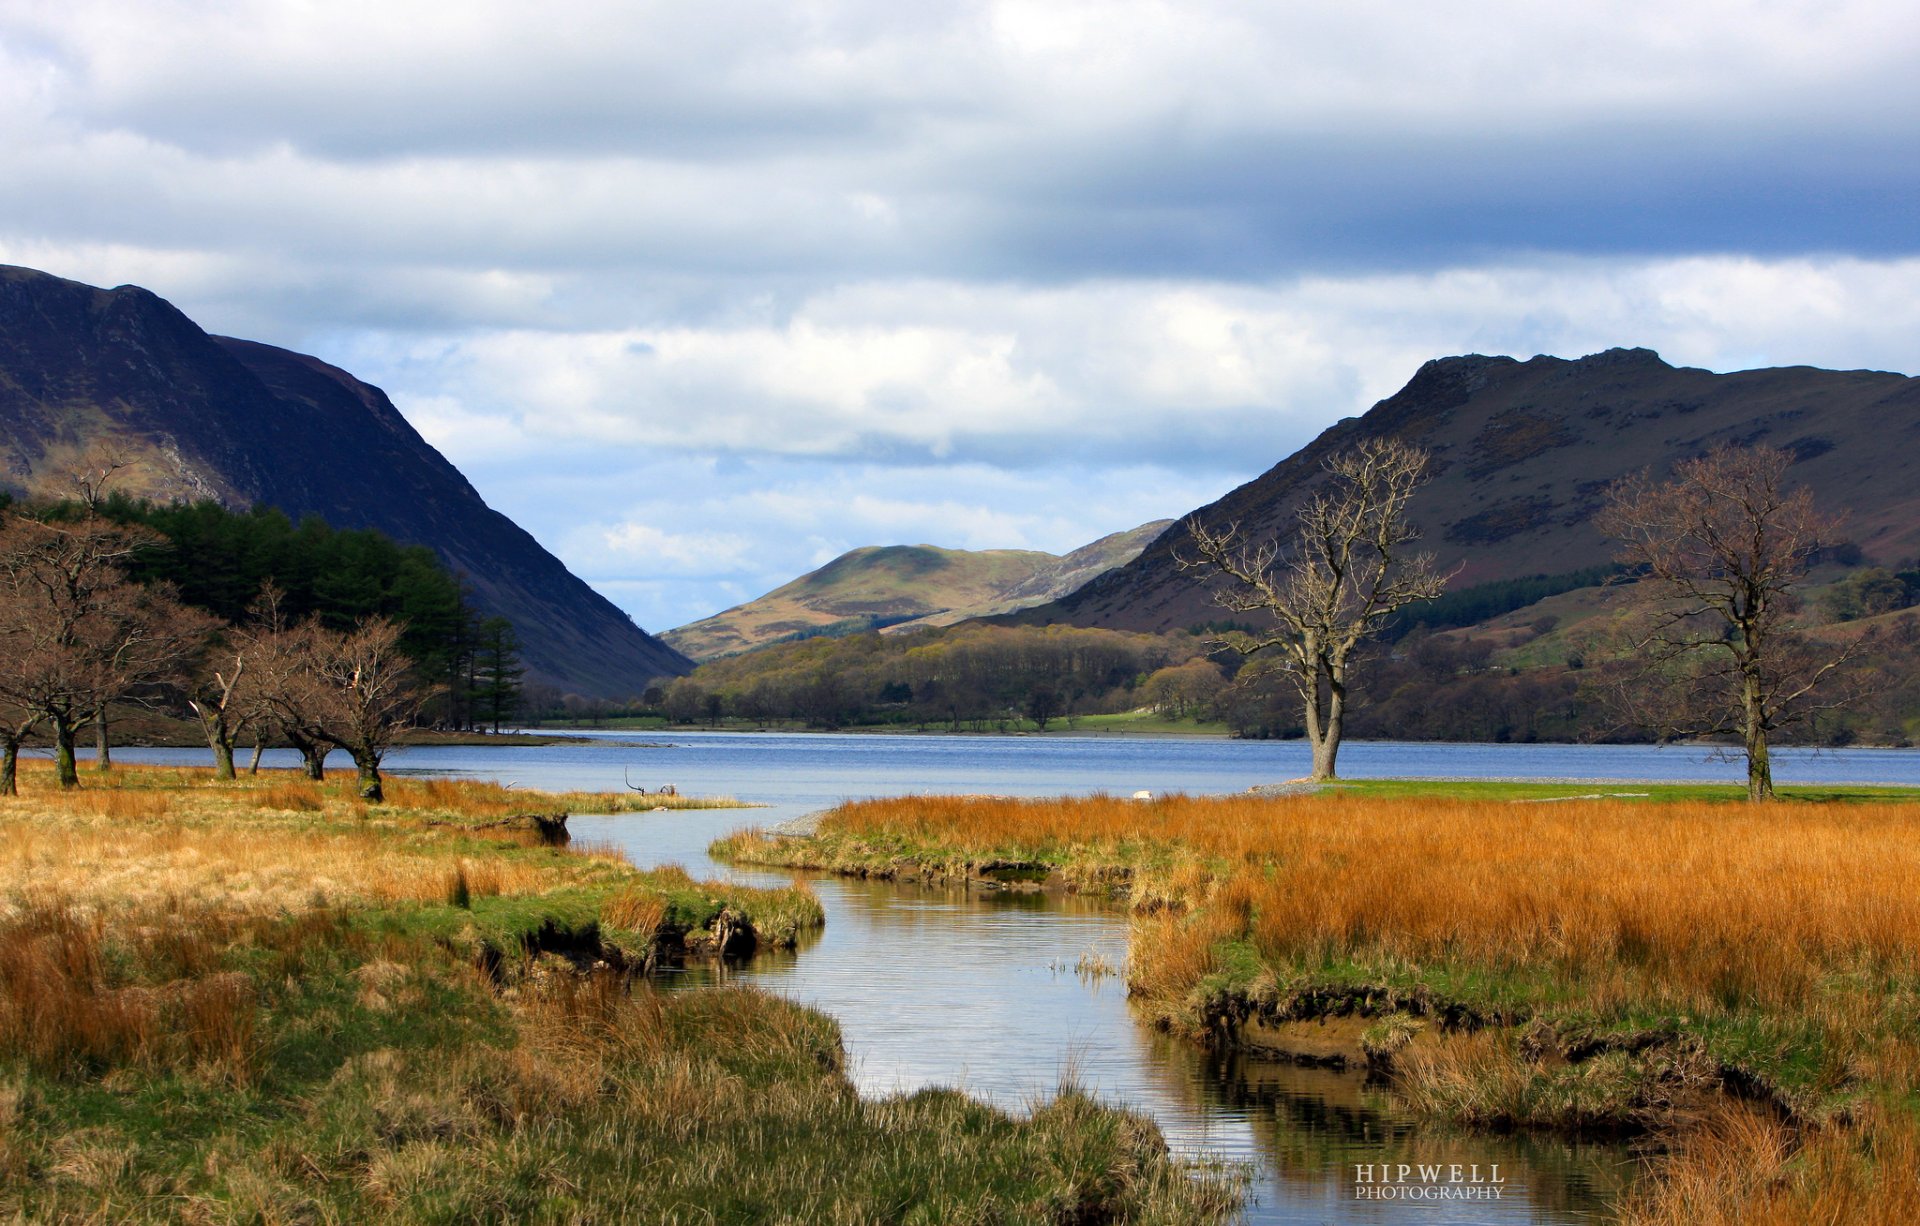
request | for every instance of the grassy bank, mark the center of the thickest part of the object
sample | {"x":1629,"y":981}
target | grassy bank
{"x":264,"y":1001}
{"x":1636,"y":965}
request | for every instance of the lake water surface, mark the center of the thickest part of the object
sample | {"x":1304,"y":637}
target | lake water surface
{"x":981,"y":991}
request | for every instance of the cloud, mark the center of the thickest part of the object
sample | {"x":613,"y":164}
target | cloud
{"x":702,"y":554}
{"x":739,"y":146}
{"x":704,"y":294}
{"x":1192,"y":375}
{"x":673,"y":539}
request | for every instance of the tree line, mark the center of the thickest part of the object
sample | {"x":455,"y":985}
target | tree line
{"x":254,"y":626}
{"x":969,"y":677}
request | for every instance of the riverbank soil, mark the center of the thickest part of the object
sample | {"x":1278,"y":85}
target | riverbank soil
{"x":1736,"y":985}
{"x":263,"y":1000}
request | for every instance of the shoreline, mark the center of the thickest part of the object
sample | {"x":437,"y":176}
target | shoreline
{"x":666,"y":729}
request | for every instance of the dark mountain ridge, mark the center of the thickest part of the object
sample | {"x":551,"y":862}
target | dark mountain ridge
{"x":240,"y":422}
{"x":1523,"y":454}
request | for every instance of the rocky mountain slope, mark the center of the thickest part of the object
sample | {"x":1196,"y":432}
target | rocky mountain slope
{"x":1524,"y":451}
{"x":201,"y":416}
{"x":900,"y":586}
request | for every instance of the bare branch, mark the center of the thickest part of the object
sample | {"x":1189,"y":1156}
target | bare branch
{"x":1333,"y":584}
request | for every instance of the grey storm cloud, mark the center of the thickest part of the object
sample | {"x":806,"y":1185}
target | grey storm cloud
{"x":957,"y":140}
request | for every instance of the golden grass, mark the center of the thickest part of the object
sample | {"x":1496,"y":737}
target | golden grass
{"x":1780,"y":941}
{"x":482,"y":800}
{"x":268,"y":869}
{"x":1711,"y":903}
{"x":635,"y":910}
{"x":191,"y":1028}
{"x":1744,"y":1168}
{"x":143,"y":837}
{"x":63,"y":1009}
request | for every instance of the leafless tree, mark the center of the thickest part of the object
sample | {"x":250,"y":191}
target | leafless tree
{"x":370,"y":694}
{"x":226,"y":698}
{"x":79,"y":633}
{"x":93,"y":472}
{"x":286,"y":686}
{"x":1332,"y":584}
{"x":1721,"y":546}
{"x":17,"y":716}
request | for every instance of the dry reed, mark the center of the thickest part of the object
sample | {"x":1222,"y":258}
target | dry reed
{"x":1712,"y":904}
{"x":1745,"y":1168}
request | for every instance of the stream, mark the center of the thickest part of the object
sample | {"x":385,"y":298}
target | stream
{"x":1006,"y":995}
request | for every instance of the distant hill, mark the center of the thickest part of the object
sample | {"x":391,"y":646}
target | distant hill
{"x":213,"y":417}
{"x":889,"y":586}
{"x":1524,"y":451}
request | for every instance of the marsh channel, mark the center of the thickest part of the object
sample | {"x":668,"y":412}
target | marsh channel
{"x":1004,"y":995}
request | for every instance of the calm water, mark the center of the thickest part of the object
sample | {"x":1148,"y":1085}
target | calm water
{"x":950,"y":987}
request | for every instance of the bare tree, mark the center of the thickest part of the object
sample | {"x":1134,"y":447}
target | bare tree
{"x":286,"y":684}
{"x":93,"y":472}
{"x":1720,"y":547}
{"x":370,"y":694}
{"x":225,"y":698}
{"x":80,"y":634}
{"x":17,"y":717}
{"x":1331,"y":585}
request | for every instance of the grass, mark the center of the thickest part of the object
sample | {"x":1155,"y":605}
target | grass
{"x":1614,"y":789}
{"x":1585,"y":965}
{"x":1144,"y":723}
{"x":263,"y":1001}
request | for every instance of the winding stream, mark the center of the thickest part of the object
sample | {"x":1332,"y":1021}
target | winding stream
{"x":1004,"y":995}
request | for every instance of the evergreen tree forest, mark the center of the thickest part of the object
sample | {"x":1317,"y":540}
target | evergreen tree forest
{"x":219,"y":561}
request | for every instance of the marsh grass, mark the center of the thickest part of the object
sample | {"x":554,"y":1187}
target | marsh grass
{"x":1585,"y":965}
{"x":1709,"y":905}
{"x":1743,"y":1167}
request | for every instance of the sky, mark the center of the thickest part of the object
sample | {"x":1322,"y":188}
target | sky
{"x":704,"y":295}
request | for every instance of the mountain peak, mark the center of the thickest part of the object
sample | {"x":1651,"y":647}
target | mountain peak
{"x":1636,"y":356}
{"x":1524,"y":452}
{"x":901,"y":586}
{"x":245,"y":423}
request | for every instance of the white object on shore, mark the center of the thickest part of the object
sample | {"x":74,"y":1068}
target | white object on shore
{"x":1143,"y":795}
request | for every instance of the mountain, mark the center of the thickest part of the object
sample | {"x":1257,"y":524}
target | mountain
{"x":205,"y":416}
{"x":1524,"y":452}
{"x":898,"y":586}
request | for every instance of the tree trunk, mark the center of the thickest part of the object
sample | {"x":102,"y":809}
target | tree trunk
{"x":1759,"y":764}
{"x":369,"y":766}
{"x":10,"y":768}
{"x":313,"y":755}
{"x":1336,"y":727}
{"x":222,"y":757}
{"x":259,"y":747}
{"x":103,"y":750}
{"x":63,"y":768}
{"x":1324,"y":727}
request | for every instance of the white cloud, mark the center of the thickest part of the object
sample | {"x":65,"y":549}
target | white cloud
{"x":1194,"y":374}
{"x":702,"y":554}
{"x":705,"y":294}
